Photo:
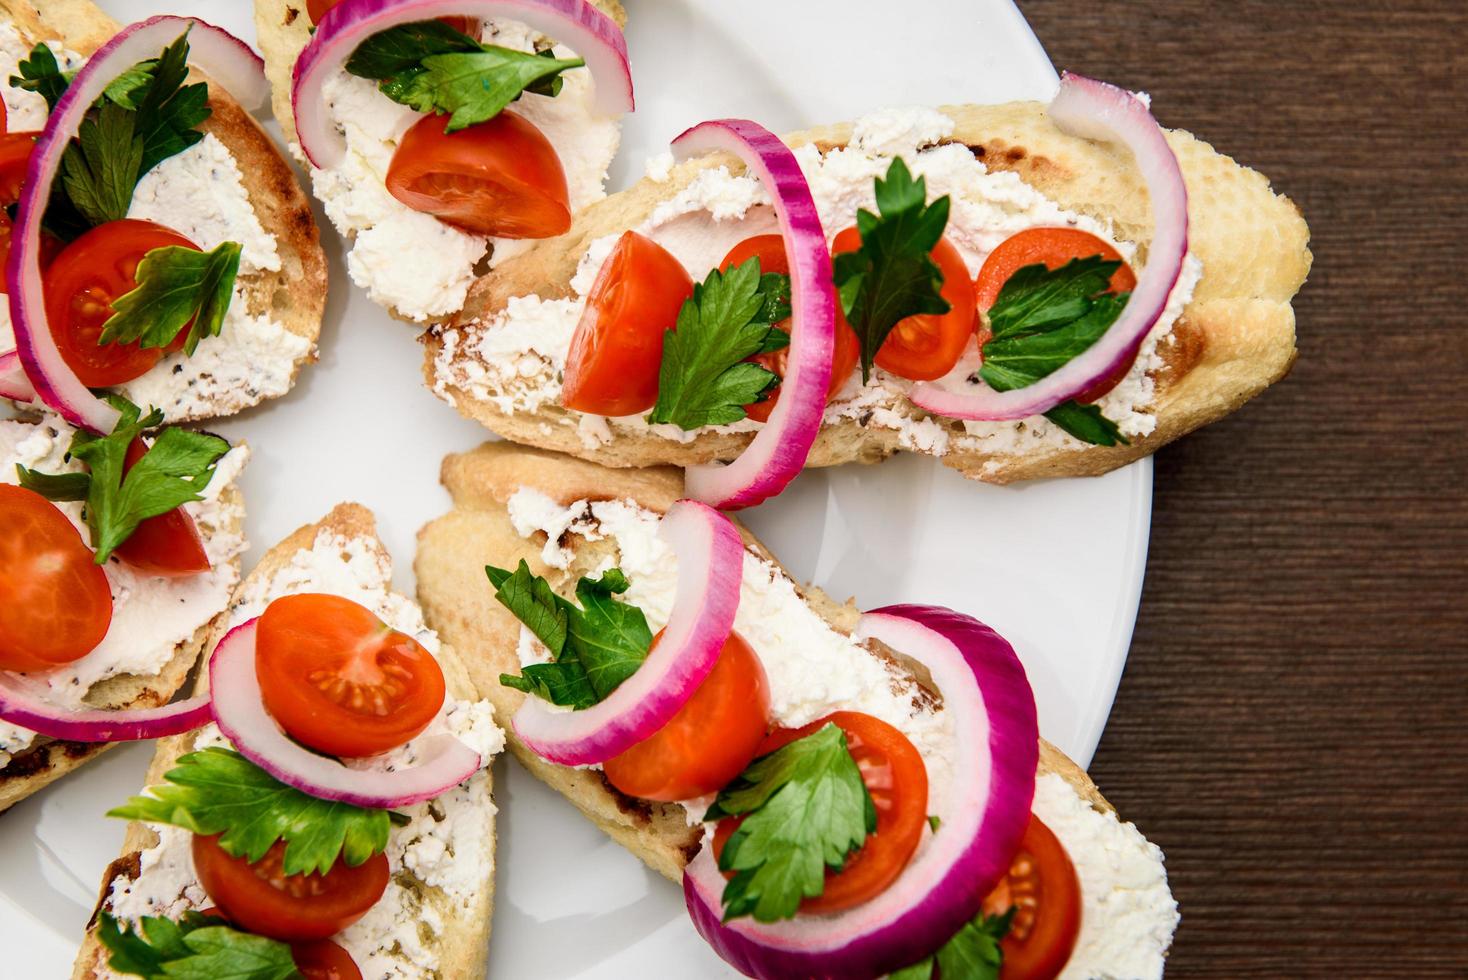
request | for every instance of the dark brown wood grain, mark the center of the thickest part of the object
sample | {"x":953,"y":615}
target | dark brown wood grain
{"x":1292,"y":725}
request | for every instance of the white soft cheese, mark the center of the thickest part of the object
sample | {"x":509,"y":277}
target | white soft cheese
{"x":411,"y":261}
{"x":515,"y":358}
{"x":1128,"y":914}
{"x":201,"y":194}
{"x":25,"y":111}
{"x":813,"y":669}
{"x":150,"y":615}
{"x":448,"y":842}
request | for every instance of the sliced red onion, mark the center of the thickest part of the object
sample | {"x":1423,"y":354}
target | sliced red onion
{"x":1095,"y":110}
{"x":995,"y":749}
{"x":710,"y":557}
{"x":578,"y":25}
{"x":227,"y":60}
{"x":239,"y":710}
{"x":13,"y":382}
{"x":780,"y":448}
{"x":23,"y":703}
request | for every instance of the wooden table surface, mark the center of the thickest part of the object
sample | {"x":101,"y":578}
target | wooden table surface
{"x":1291,"y":726}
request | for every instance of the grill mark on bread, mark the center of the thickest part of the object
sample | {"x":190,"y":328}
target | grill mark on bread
{"x":128,"y":867}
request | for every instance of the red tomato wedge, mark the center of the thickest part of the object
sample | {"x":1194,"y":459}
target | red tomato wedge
{"x":169,"y":544}
{"x":897,"y":780}
{"x":15,"y":155}
{"x":1045,"y":893}
{"x":340,"y":680}
{"x":263,"y":899}
{"x":770,"y":250}
{"x":500,"y":178}
{"x":709,"y":741}
{"x":612,"y":367}
{"x":57,"y":603}
{"x":80,"y":286}
{"x":324,"y":960}
{"x":316,"y":9}
{"x":1052,"y":248}
{"x":927,"y":346}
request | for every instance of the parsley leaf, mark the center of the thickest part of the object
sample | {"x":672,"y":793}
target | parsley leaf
{"x":973,"y":953}
{"x":704,"y":378}
{"x":197,"y":947}
{"x":169,"y":111}
{"x":808,"y":811}
{"x":219,"y":791}
{"x":892,"y":276}
{"x":1044,"y":318}
{"x":175,"y":285}
{"x":174,"y":471}
{"x":431,"y":67}
{"x":41,"y":74}
{"x":101,"y":168}
{"x":595,"y":646}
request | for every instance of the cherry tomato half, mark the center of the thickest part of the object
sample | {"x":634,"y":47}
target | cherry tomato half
{"x":770,"y":250}
{"x":15,"y":156}
{"x":324,"y":960}
{"x":926,"y":346}
{"x":1045,"y":893}
{"x":500,"y":177}
{"x":711,"y":738}
{"x":612,"y":368}
{"x":316,"y":9}
{"x":1052,"y":248}
{"x":263,"y":899}
{"x":340,"y":680}
{"x":169,"y":544}
{"x":80,"y":286}
{"x":897,"y":780}
{"x":57,"y":602}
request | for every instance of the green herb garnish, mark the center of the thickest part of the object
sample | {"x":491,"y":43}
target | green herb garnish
{"x":973,"y":953}
{"x":197,"y":947}
{"x":175,"y":285}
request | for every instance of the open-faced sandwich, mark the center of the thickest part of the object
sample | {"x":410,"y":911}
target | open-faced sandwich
{"x":336,"y":813}
{"x":841,"y":794}
{"x":160,"y":247}
{"x":1020,"y":290}
{"x":116,"y":553}
{"x":443,"y":135}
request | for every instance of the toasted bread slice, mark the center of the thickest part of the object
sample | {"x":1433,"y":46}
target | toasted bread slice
{"x":47,"y":760}
{"x":295,"y":295}
{"x":456,"y":599}
{"x":1235,"y":337}
{"x":465,"y":934}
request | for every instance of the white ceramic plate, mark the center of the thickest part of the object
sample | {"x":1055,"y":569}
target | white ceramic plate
{"x":1056,"y":566}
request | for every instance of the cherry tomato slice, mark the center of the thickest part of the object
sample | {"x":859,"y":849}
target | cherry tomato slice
{"x":612,"y":367}
{"x":927,"y":346}
{"x":80,"y":286}
{"x":770,"y":249}
{"x":57,"y":602}
{"x":500,"y":177}
{"x":261,"y":898}
{"x":895,"y":776}
{"x":324,"y":960}
{"x":316,"y":9}
{"x":15,"y":156}
{"x":1045,"y":893}
{"x":1052,"y":248}
{"x":340,"y":680}
{"x":711,"y":738}
{"x":169,"y":544}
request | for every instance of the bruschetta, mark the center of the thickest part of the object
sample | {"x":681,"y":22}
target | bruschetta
{"x":386,"y":860}
{"x":652,"y":662}
{"x":443,"y":137}
{"x":175,"y":260}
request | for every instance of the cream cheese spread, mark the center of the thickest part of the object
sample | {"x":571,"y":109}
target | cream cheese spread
{"x":514,"y":359}
{"x":1128,"y":914}
{"x":151,"y":616}
{"x":410,"y":261}
{"x":442,"y":858}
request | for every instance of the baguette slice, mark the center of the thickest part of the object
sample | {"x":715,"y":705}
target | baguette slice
{"x":461,"y":946}
{"x":294,"y":296}
{"x":1235,"y":338}
{"x":456,"y":599}
{"x":47,"y":760}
